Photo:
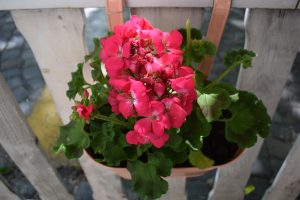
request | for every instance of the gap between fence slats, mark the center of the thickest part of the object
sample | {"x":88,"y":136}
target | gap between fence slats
{"x":287,"y":182}
{"x":56,"y":37}
{"x":275,"y":38}
{"x":19,"y":142}
{"x":6,"y":194}
{"x":37,"y":4}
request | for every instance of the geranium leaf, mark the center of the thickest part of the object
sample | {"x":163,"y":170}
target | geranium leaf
{"x":73,"y":139}
{"x":241,"y":121}
{"x":199,"y":80}
{"x":146,"y":177}
{"x":76,"y":84}
{"x":247,"y":139}
{"x":175,"y":141}
{"x":193,"y":130}
{"x":163,"y":165}
{"x":176,"y":157}
{"x":202,"y":48}
{"x":198,"y":159}
{"x":213,"y":102}
{"x":114,"y":154}
{"x":237,"y":57}
{"x":195,"y":34}
{"x":249,"y":119}
{"x":102,"y":137}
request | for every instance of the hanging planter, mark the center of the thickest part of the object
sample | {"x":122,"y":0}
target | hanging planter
{"x":154,"y":115}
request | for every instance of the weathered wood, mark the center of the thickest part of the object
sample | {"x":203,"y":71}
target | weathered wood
{"x":176,"y":189}
{"x":57,"y":41}
{"x":274,"y":36}
{"x":37,"y":4}
{"x":6,"y":194}
{"x":107,"y":183}
{"x":19,"y":142}
{"x":169,"y":19}
{"x":287,"y":182}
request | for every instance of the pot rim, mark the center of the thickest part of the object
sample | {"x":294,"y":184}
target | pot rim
{"x":237,"y":155}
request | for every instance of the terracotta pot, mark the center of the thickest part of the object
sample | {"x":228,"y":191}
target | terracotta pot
{"x":176,"y":172}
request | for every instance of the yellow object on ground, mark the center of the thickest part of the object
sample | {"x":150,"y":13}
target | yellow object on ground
{"x":44,"y":121}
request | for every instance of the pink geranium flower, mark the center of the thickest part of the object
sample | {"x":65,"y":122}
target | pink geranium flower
{"x":112,"y":100}
{"x":145,"y":71}
{"x":135,"y":101}
{"x":150,"y":129}
{"x":84,"y":111}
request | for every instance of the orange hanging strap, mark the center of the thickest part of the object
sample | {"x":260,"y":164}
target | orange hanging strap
{"x":215,"y":30}
{"x":114,"y":12}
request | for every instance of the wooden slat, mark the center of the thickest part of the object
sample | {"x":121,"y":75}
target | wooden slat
{"x":169,"y":19}
{"x":287,"y":182}
{"x":275,"y":39}
{"x":6,"y":194}
{"x":176,"y":189}
{"x":37,"y":4}
{"x":106,"y":183}
{"x":57,"y":41}
{"x":19,"y":142}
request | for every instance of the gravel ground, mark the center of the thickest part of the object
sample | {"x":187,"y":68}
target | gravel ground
{"x":18,"y":66}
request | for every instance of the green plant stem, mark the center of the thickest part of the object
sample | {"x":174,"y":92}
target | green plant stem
{"x":113,"y":120}
{"x":188,"y":41}
{"x":221,"y":76}
{"x":101,"y":77}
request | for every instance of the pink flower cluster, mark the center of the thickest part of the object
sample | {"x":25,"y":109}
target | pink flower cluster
{"x":148,"y":80}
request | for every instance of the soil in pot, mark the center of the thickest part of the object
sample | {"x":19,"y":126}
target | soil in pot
{"x":216,"y":147}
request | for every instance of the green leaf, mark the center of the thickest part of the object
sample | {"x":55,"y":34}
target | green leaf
{"x":146,"y":177}
{"x":175,"y":141}
{"x":241,"y":121}
{"x":73,"y":139}
{"x":109,"y":141}
{"x":114,"y":154}
{"x":100,"y":139}
{"x":163,"y":165}
{"x":237,"y":57}
{"x":195,"y":34}
{"x":198,"y":159}
{"x":249,"y":189}
{"x":213,"y":102}
{"x":176,"y":157}
{"x":76,"y":84}
{"x":249,"y":119}
{"x":202,"y":48}
{"x":193,"y":130}
{"x":199,"y":83}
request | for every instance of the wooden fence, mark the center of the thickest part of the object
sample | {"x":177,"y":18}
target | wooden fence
{"x":54,"y":30}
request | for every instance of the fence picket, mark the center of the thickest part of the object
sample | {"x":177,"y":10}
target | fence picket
{"x":6,"y":194}
{"x":58,"y":43}
{"x":37,"y":4}
{"x":169,"y":19}
{"x":287,"y":182}
{"x":275,"y":38}
{"x":19,"y":142}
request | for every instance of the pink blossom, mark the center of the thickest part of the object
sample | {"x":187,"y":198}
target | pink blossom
{"x":175,"y":113}
{"x":85,"y":93}
{"x":148,"y":81}
{"x":84,"y":111}
{"x":112,"y":100}
{"x":135,"y":101}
